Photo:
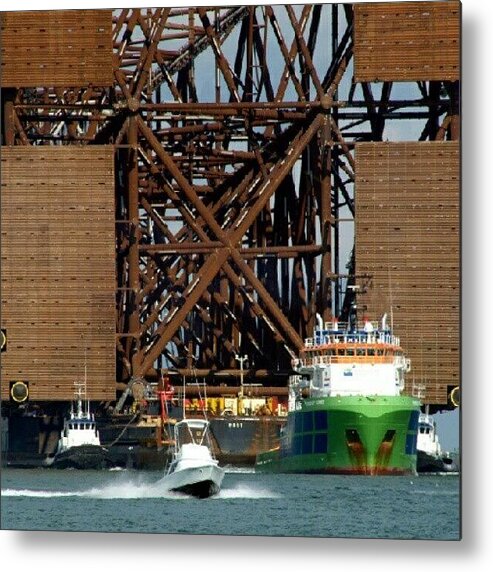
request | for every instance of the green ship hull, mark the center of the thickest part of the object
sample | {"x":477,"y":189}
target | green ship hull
{"x":372,"y":435}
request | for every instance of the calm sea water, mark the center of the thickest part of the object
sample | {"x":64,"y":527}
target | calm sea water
{"x":422,"y":507}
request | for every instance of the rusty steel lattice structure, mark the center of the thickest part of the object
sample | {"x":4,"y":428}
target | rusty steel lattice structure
{"x":233,"y":130}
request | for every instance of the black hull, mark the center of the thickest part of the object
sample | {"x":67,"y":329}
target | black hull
{"x":83,"y":457}
{"x":435,"y":464}
{"x":202,"y":490}
{"x":238,"y":440}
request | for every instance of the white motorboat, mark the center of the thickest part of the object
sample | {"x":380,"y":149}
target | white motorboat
{"x":193,"y":469}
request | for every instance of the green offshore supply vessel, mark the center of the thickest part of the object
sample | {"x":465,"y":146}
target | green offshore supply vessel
{"x":355,"y":419}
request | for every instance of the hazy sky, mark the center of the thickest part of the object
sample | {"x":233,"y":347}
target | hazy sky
{"x":448,"y":429}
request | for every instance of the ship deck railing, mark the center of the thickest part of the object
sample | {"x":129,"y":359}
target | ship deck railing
{"x":398,"y":361}
{"x":323,"y":338}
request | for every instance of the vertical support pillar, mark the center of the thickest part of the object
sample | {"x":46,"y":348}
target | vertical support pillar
{"x":454,"y":92}
{"x":216,"y":63}
{"x":335,"y":45}
{"x":249,"y":67}
{"x":325,"y":218}
{"x":8,"y":127}
{"x":134,"y":237}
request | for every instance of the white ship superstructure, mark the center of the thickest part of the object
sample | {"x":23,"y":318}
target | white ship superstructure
{"x":427,"y":436}
{"x":347,"y":360}
{"x":80,"y":428}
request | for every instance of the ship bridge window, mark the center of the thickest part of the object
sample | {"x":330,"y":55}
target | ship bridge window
{"x":297,"y":441}
{"x":320,"y":420}
{"x":341,"y":352}
{"x":298,"y":420}
{"x":360,"y":352}
{"x":320,"y":443}
{"x":371,"y":352}
{"x":307,"y":421}
{"x":350,"y":352}
{"x":379,"y":352}
{"x":307,"y":444}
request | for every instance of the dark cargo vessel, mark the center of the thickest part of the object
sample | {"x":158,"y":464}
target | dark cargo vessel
{"x":140,"y":438}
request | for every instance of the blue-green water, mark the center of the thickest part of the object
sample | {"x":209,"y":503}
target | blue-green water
{"x":421,"y":507}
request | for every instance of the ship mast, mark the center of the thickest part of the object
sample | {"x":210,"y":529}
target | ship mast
{"x":241,"y":359}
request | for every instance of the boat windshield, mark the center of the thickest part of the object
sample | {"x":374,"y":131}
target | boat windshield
{"x":192,"y":431}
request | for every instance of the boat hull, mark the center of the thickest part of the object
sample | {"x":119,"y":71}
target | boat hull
{"x":427,"y":463}
{"x":200,"y":482}
{"x":237,"y":440}
{"x":348,"y":435}
{"x":83,"y":457}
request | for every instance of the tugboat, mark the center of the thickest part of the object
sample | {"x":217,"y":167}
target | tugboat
{"x":79,"y":446}
{"x":431,"y":458}
{"x":348,"y":413}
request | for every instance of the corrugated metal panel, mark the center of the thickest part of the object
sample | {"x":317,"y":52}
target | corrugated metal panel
{"x":58,"y":269}
{"x":407,"y":239}
{"x":65,"y":48}
{"x":407,"y":41}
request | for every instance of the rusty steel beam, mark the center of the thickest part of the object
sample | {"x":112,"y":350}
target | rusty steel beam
{"x":193,"y":390}
{"x":308,"y":63}
{"x":232,"y":178}
{"x":220,"y":59}
{"x":167,"y":329}
{"x":253,"y":252}
{"x":228,"y":240}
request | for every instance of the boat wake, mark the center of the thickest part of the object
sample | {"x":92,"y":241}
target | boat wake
{"x":141,"y":490}
{"x":33,"y":493}
{"x":241,"y":491}
{"x":437,"y":491}
{"x":125,"y":489}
